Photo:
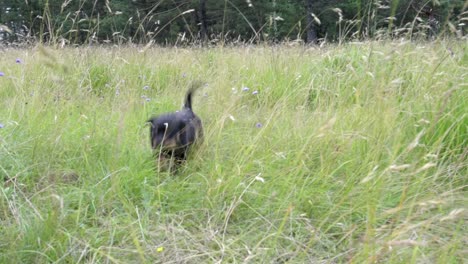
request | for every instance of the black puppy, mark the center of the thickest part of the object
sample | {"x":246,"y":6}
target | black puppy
{"x":173,"y":134}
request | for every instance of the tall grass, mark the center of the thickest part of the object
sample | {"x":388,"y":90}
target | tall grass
{"x":353,"y":153}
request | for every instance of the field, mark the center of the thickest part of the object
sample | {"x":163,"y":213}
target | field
{"x":354,"y":153}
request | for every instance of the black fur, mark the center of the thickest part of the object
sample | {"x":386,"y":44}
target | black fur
{"x":173,"y":134}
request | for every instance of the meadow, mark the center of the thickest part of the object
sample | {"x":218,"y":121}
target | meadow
{"x":353,"y":153}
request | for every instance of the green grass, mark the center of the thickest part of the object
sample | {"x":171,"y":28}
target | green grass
{"x":361,"y":156}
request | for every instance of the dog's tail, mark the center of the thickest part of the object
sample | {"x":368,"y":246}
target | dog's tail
{"x":188,"y":97}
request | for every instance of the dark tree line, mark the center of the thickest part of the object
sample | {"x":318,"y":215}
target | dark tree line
{"x":189,"y":21}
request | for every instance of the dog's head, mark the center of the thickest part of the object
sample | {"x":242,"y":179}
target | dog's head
{"x":164,"y":130}
{"x":174,"y":131}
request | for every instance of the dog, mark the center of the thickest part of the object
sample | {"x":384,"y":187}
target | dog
{"x":173,"y":134}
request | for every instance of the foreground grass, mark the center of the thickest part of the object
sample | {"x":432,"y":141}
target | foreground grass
{"x":346,"y":154}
